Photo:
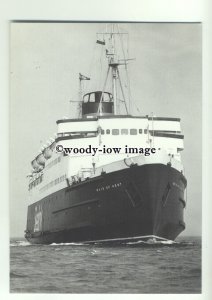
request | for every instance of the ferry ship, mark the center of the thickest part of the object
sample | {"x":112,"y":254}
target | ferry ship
{"x":122,"y":196}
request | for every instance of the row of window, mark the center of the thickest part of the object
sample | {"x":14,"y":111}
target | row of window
{"x":54,"y":162}
{"x":36,"y":182}
{"x":53,"y":182}
{"x":78,"y":134}
{"x":124,"y":131}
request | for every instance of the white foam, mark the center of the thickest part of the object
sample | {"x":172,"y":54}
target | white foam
{"x":152,"y":242}
{"x":20,"y":244}
{"x":67,"y":244}
{"x":169,"y":242}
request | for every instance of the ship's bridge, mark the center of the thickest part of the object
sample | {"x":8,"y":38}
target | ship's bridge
{"x":97,"y":103}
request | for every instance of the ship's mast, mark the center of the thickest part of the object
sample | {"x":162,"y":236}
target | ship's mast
{"x":114,"y":78}
{"x":113,"y":64}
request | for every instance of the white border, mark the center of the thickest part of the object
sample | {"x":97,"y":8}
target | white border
{"x":103,"y":10}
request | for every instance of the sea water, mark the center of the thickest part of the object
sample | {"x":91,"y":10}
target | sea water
{"x":128,"y":268}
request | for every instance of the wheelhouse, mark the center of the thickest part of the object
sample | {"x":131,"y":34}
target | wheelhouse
{"x":97,"y":103}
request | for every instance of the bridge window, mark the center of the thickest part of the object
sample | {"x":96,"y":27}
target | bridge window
{"x":145,"y":131}
{"x":124,"y":131}
{"x":140,"y":131}
{"x":108,"y":131}
{"x":115,"y":131}
{"x":102,"y":131}
{"x":92,"y":97}
{"x":133,"y":131}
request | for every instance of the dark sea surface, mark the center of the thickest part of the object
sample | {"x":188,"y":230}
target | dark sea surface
{"x":128,"y":268}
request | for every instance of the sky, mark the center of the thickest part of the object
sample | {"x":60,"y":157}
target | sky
{"x":45,"y":60}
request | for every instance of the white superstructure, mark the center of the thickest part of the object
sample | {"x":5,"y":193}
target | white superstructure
{"x":101,"y":127}
{"x":163,"y":134}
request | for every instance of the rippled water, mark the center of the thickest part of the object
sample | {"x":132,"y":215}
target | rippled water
{"x":128,"y":268}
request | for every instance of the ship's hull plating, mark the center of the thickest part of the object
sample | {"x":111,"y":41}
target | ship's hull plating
{"x":138,"y":201}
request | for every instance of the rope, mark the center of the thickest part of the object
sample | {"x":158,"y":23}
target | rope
{"x":103,"y":89}
{"x":125,"y":65}
{"x":122,"y":91}
{"x":100,"y":61}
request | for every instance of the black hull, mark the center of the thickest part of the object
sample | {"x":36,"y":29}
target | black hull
{"x":138,"y":201}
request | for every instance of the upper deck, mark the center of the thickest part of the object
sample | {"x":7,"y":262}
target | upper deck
{"x":142,"y":131}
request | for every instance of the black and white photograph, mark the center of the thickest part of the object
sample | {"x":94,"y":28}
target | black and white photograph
{"x":105,"y":157}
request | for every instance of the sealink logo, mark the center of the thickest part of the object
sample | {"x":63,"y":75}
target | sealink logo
{"x":38,"y":218}
{"x":104,"y":150}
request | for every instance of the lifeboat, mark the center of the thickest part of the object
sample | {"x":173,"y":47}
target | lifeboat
{"x":35,"y":165}
{"x":40,"y":159}
{"x":47,"y":153}
{"x":49,"y":148}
